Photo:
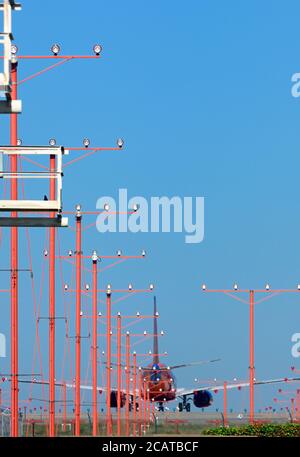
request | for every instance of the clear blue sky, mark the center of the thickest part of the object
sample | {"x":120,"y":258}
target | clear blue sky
{"x":201,"y":93}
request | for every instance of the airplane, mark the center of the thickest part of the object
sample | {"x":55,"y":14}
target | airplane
{"x":161,"y":383}
{"x":159,"y":379}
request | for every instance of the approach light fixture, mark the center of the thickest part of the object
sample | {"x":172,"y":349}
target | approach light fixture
{"x":143,"y":253}
{"x":203,"y":287}
{"x":45,"y":252}
{"x":55,"y":48}
{"x":14,"y":49}
{"x":87,"y":287}
{"x":19,"y":142}
{"x":78,"y":211}
{"x":151,"y":287}
{"x":235,"y":287}
{"x":267,"y":286}
{"x":106,"y":207}
{"x":120,"y":143}
{"x":119,"y":253}
{"x":129,"y":286}
{"x":70,"y":253}
{"x":97,"y":48}
{"x":52,"y":142}
{"x":86,"y":142}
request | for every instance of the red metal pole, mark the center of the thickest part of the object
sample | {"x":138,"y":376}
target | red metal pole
{"x":14,"y":265}
{"x":52,"y":234}
{"x":127,"y":382}
{"x":298,"y":404}
{"x":119,"y":374}
{"x":78,"y":319}
{"x":293,"y":409}
{"x":134,"y":393}
{"x":108,"y":378}
{"x":140,"y":402}
{"x":144,"y":403}
{"x":149,"y":406}
{"x":225,"y":404}
{"x":95,"y":317}
{"x":153,"y":408}
{"x":65,"y":407}
{"x":251,"y":365}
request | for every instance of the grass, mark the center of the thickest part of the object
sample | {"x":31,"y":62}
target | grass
{"x":264,"y":430}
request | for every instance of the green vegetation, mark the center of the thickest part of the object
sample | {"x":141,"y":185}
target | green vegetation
{"x":267,"y":430}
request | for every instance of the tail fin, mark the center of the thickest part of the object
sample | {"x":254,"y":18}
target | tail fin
{"x":155,"y":336}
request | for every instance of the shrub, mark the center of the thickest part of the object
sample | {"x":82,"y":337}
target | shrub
{"x":267,"y":430}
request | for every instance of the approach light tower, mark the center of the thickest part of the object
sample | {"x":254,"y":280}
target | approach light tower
{"x":10,"y":105}
{"x":51,"y":209}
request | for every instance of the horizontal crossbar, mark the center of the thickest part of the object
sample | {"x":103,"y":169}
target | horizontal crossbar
{"x":34,"y":150}
{"x":30,"y":205}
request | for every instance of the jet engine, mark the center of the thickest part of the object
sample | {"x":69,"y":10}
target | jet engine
{"x":202,"y":398}
{"x":114,"y":399}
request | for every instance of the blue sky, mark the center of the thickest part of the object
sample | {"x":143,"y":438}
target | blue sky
{"x":201,"y":93}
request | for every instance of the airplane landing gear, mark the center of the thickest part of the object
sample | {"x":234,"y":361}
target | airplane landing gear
{"x":161,"y":407}
{"x":133,"y":404}
{"x":184,"y":405}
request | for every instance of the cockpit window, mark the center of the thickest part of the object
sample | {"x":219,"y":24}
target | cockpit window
{"x":155,"y":375}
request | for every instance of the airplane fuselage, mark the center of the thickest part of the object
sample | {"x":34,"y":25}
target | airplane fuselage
{"x":159,"y":382}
